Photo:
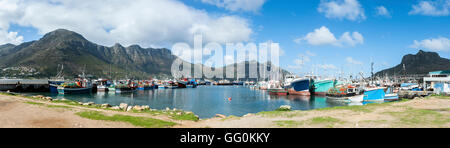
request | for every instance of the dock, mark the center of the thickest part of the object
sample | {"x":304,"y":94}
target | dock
{"x":24,"y":85}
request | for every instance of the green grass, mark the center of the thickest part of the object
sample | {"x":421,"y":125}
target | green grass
{"x":324,"y":120}
{"x":420,"y":118}
{"x":49,"y":106}
{"x":288,"y":123}
{"x":365,"y":109}
{"x":137,"y":121}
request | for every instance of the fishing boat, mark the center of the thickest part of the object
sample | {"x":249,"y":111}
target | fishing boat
{"x":374,"y":94}
{"x":275,"y":88}
{"x":102,"y":85}
{"x":77,"y":87}
{"x":300,"y":86}
{"x":345,"y":92}
{"x":390,"y":95}
{"x":124,"y":89}
{"x":321,"y":87}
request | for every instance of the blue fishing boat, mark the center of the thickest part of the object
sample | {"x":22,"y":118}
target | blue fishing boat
{"x":300,"y":87}
{"x":54,"y":86}
{"x":374,"y":94}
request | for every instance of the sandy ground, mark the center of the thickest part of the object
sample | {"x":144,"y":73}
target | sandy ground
{"x":14,"y":112}
{"x":374,"y":117}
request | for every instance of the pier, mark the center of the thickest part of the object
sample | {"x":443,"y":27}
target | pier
{"x":24,"y":85}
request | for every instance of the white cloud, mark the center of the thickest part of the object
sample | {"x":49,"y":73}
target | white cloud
{"x":143,"y":22}
{"x":342,"y":9}
{"x":382,"y":11}
{"x":7,"y":12}
{"x":323,"y":36}
{"x":320,"y":36}
{"x":238,"y":5}
{"x":350,"y":60}
{"x":435,"y":44}
{"x":432,"y":8}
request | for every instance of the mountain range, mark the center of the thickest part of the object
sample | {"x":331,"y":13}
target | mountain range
{"x":419,"y":64}
{"x":70,"y":49}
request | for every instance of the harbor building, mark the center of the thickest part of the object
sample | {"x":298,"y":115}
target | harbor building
{"x":439,"y":81}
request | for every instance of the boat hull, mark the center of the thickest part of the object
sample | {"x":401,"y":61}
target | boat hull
{"x":291,"y":91}
{"x":376,"y":94}
{"x":391,"y":97}
{"x":124,"y":90}
{"x":62,"y":90}
{"x":321,"y":87}
{"x":278,"y":92}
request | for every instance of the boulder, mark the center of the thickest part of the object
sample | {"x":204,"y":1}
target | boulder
{"x":248,"y":115}
{"x":106,"y":105}
{"x":138,"y":108}
{"x":180,"y":113}
{"x":167,"y":108}
{"x":174,"y":109}
{"x":123,"y":106}
{"x":146,"y":107}
{"x":189,"y":112}
{"x":48,"y":98}
{"x":285,"y":107}
{"x":129,"y":108}
{"x":220,"y":116}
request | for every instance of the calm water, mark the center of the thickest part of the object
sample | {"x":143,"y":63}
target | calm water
{"x":207,"y":101}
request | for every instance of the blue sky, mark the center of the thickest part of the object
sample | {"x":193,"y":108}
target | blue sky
{"x":312,"y":30}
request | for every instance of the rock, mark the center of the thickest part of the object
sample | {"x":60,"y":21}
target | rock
{"x":220,"y":116}
{"x":285,"y":107}
{"x":123,"y":106}
{"x":189,"y":112}
{"x":248,"y":115}
{"x":106,"y":105}
{"x":48,"y":98}
{"x":138,"y":108}
{"x":80,"y":103}
{"x":129,"y":108}
{"x":85,"y":104}
{"x":180,"y":113}
{"x":174,"y":109}
{"x":167,"y":109}
{"x":63,"y":99}
{"x":146,"y":107}
{"x":91,"y":103}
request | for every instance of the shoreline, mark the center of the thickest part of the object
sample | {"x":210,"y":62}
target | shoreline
{"x":22,"y":111}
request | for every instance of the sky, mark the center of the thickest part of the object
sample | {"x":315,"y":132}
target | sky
{"x":325,"y":37}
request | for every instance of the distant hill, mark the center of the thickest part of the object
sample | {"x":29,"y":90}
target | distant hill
{"x":63,"y":47}
{"x":421,"y":63}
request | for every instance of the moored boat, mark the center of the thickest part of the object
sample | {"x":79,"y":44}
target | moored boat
{"x":374,"y":94}
{"x":345,"y":92}
{"x":77,"y":87}
{"x":300,"y":87}
{"x":321,"y":87}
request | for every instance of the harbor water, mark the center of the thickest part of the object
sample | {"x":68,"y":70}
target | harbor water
{"x":207,"y":101}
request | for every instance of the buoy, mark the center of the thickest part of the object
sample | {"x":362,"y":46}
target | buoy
{"x":229,"y":99}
